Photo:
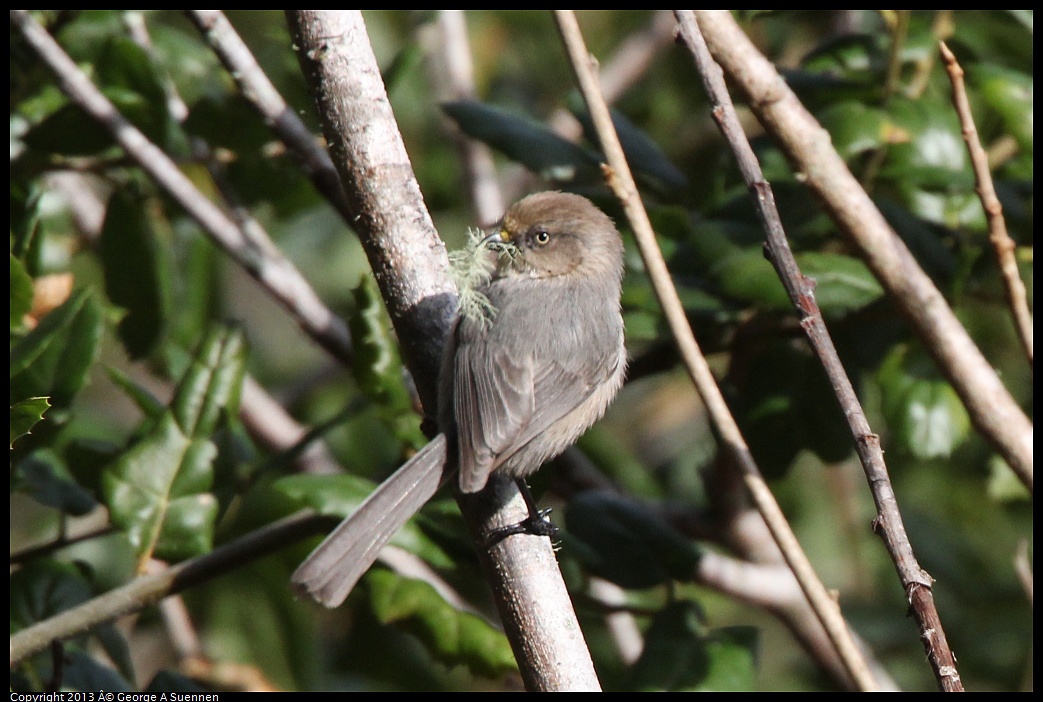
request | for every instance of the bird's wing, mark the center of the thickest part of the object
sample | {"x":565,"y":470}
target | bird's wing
{"x":502,"y":403}
{"x":493,"y":402}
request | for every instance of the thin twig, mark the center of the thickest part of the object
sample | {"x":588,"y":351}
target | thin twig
{"x":264,"y":418}
{"x":259,"y":257}
{"x":993,"y":411}
{"x":622,"y":69}
{"x":147,"y":589}
{"x":258,"y":90}
{"x":998,"y":235}
{"x":60,"y":542}
{"x":801,"y":291}
{"x":622,"y":183}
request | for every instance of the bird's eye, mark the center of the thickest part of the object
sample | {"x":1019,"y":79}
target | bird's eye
{"x":541,"y":237}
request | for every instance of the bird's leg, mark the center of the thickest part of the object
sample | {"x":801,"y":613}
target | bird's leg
{"x":535,"y":524}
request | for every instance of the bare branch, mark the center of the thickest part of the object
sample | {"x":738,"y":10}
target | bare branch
{"x":622,"y":183}
{"x":992,"y":409}
{"x":801,"y":291}
{"x":258,"y":90}
{"x":998,"y":235}
{"x":257,"y":255}
{"x":145,"y":590}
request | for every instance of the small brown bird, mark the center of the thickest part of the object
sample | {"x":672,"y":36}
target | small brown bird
{"x":516,"y":388}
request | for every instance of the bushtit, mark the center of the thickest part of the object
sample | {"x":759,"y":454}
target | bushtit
{"x":518,"y":385}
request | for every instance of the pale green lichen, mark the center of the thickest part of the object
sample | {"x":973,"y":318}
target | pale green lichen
{"x":472,"y":268}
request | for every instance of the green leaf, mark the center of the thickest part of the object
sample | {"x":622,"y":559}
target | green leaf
{"x":1004,"y":484}
{"x":169,"y":681}
{"x":43,"y":588}
{"x":25,"y":414}
{"x":935,"y":420}
{"x":680,"y":656}
{"x":158,"y":491}
{"x":84,"y":673}
{"x":451,"y":636}
{"x":70,"y":131}
{"x":211,"y":384}
{"x":135,"y":274}
{"x":748,"y":277}
{"x":127,"y":77}
{"x":1008,"y":93}
{"x":846,"y":54}
{"x":211,"y":114}
{"x":931,"y":168}
{"x":21,"y":292}
{"x":332,"y":495}
{"x":148,"y":403}
{"x":843,"y":284}
{"x":768,"y":410}
{"x":24,"y":212}
{"x":526,"y":141}
{"x":54,"y":358}
{"x":924,"y":240}
{"x":935,"y":150}
{"x":645,"y":158}
{"x":131,"y":80}
{"x":377,"y":366}
{"x":855,"y":128}
{"x":821,"y":422}
{"x":624,"y":542}
{"x":928,"y":418}
{"x":405,"y":63}
{"x":48,"y":481}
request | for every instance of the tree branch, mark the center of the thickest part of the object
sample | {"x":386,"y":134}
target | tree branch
{"x":998,"y":235}
{"x":992,"y":409}
{"x":410,"y":264}
{"x":258,"y":90}
{"x":622,"y":183}
{"x":257,"y":254}
{"x":801,"y":291}
{"x":147,"y":589}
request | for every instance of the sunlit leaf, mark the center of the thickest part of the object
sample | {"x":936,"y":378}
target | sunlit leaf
{"x":25,"y":414}
{"x":843,"y":284}
{"x":451,"y":636}
{"x":340,"y":495}
{"x":927,"y":416}
{"x":158,"y":492}
{"x":749,"y":277}
{"x":1009,"y":93}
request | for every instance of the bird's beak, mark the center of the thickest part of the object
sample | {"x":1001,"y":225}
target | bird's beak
{"x":498,"y":236}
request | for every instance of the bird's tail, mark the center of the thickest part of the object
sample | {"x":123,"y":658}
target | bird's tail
{"x":333,"y":568}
